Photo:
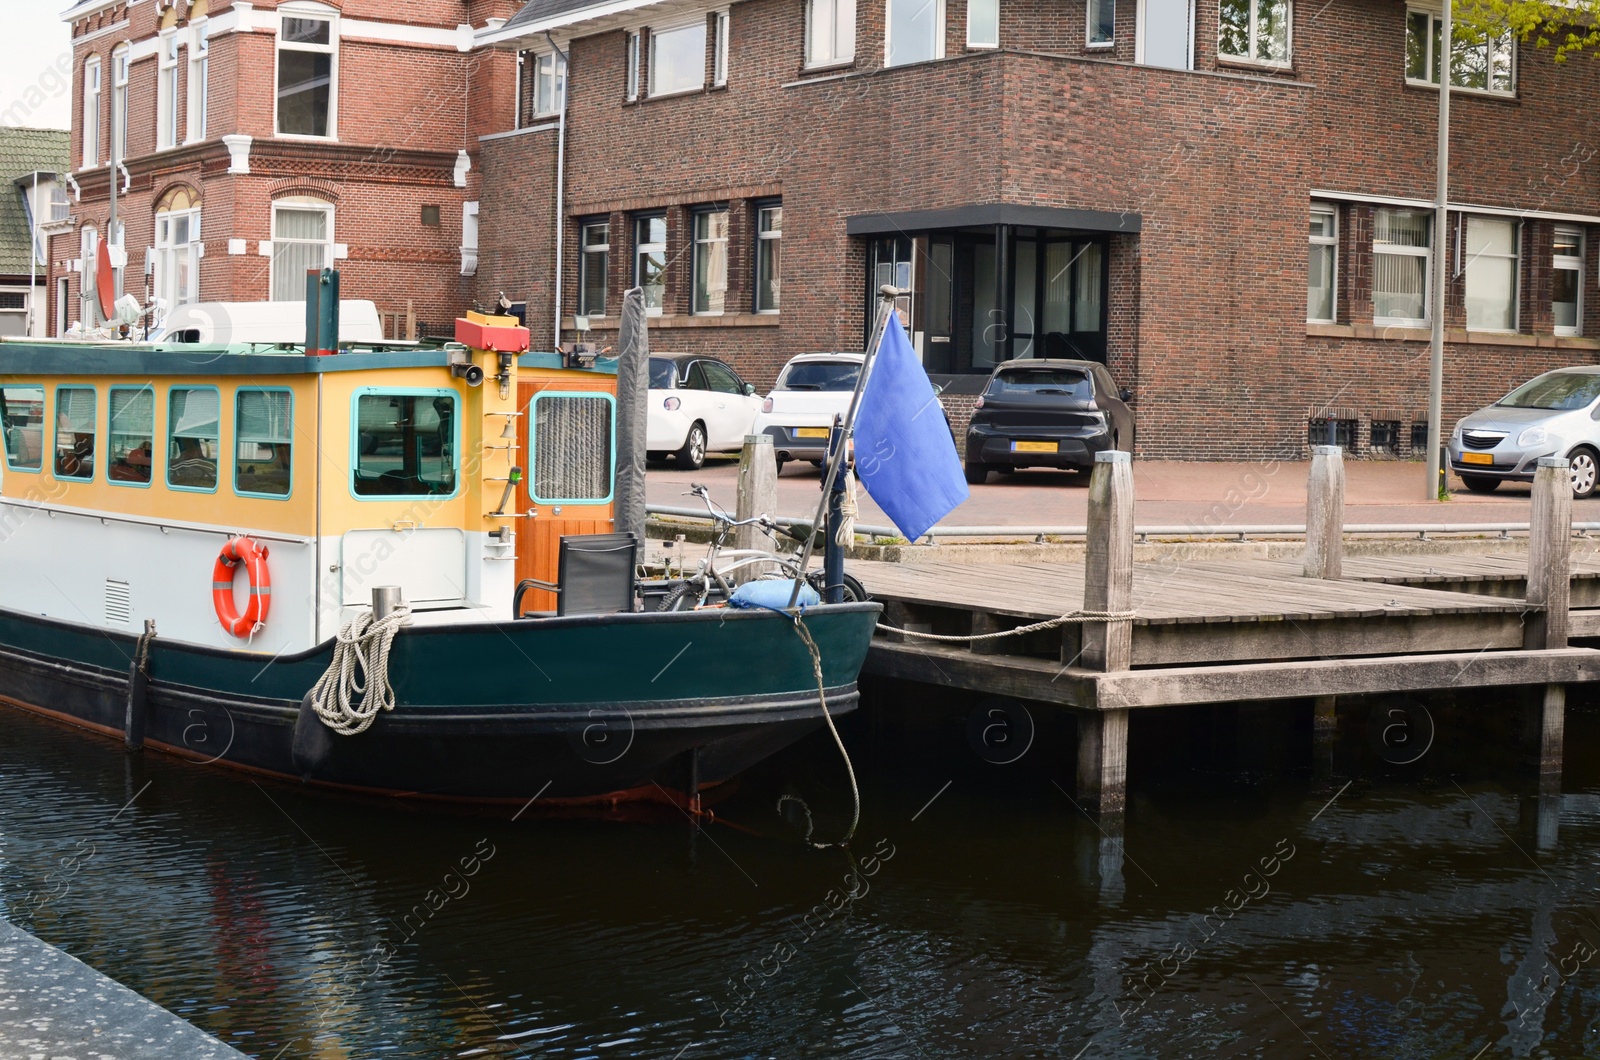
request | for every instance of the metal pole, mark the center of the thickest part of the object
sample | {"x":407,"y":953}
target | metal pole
{"x":561,"y":167}
{"x":385,"y":598}
{"x":886,"y":296}
{"x":832,"y":549}
{"x":1441,"y":264}
{"x":111,"y":225}
{"x":33,"y":259}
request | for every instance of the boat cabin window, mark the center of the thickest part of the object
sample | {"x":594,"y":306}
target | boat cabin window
{"x":264,"y":428}
{"x":132,"y":436}
{"x":405,"y":444}
{"x":75,"y":412}
{"x":194,"y":437}
{"x":573,"y":448}
{"x":22,"y":424}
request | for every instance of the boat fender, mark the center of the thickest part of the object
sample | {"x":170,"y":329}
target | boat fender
{"x":138,"y":691}
{"x":313,"y":741}
{"x":241,"y":550}
{"x":772,"y":594}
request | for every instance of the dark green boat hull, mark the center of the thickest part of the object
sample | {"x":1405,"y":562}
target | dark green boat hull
{"x":572,"y":707}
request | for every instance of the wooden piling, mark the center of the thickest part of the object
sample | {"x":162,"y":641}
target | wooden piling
{"x":1325,"y":514}
{"x":1107,"y":644}
{"x":1324,"y":733}
{"x":1549,"y":596}
{"x":1103,"y":760}
{"x":758,"y":495}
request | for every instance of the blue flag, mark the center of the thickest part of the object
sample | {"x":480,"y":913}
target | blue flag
{"x":905,"y":456}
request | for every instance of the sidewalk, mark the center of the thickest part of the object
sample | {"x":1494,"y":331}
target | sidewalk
{"x":1168,"y":492}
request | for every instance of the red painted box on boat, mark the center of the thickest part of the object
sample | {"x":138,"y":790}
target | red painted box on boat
{"x":501,"y":338}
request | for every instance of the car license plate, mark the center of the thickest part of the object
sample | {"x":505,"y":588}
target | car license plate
{"x":1035,"y":447}
{"x":811,"y":432}
{"x":1477,"y":458}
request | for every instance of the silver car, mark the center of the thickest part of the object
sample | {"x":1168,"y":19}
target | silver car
{"x":1555,"y":414}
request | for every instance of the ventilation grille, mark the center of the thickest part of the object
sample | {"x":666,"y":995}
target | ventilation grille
{"x":119,"y":604}
{"x":571,"y":448}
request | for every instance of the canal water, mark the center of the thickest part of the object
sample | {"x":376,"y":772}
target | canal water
{"x":1257,"y":903}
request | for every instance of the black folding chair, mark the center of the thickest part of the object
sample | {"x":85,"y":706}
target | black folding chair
{"x":595,"y":576}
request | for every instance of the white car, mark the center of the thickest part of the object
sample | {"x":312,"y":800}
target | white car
{"x":811,"y":390}
{"x":697,"y":405}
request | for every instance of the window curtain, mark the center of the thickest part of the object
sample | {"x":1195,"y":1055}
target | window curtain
{"x":299,"y":245}
{"x":264,"y":417}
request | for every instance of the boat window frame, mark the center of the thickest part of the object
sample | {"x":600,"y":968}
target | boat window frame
{"x":531,"y":477}
{"x":44,"y":430}
{"x":136,"y":387}
{"x":233,"y":449}
{"x":171,"y":425}
{"x":55,"y":431}
{"x":355,"y":438}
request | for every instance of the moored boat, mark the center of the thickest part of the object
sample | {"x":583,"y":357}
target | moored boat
{"x":144,"y":485}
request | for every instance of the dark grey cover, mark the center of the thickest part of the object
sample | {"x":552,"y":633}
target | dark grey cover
{"x":633,"y":392}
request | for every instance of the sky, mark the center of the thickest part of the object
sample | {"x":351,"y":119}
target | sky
{"x":35,"y":65}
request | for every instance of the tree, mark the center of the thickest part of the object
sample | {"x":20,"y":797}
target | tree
{"x":1571,"y":27}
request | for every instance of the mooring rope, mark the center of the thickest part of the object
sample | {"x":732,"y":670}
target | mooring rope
{"x":360,"y":667}
{"x":822,"y":699}
{"x":1049,"y":623}
{"x":849,"y":509}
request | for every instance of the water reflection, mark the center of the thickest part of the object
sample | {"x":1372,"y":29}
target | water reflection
{"x":1247,"y":912}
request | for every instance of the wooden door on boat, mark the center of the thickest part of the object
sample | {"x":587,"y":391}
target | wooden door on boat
{"x":567,"y":432}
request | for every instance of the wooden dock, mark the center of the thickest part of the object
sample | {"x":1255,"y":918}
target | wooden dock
{"x":1188,"y":632}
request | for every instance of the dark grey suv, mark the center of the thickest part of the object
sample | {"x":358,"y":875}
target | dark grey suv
{"x":1047,"y":413}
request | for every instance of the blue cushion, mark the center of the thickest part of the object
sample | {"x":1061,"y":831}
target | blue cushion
{"x":772,"y":593}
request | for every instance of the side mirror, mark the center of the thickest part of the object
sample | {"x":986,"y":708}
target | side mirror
{"x":1125,"y":394}
{"x":749,"y":390}
{"x":937,"y":389}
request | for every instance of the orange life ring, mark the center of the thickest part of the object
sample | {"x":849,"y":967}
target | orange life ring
{"x":254,"y":557}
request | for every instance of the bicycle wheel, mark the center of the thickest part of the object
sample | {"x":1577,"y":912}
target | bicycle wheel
{"x":854,"y":591}
{"x":683,"y":596}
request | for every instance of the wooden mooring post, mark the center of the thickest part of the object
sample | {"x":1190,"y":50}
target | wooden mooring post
{"x":1325,"y":514}
{"x":1549,"y":599}
{"x":1107,"y":644}
{"x":758,"y":495}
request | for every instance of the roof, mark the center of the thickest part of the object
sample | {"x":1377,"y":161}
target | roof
{"x":21,"y":152}
{"x":538,"y":17}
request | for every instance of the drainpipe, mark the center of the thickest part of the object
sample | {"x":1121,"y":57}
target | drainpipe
{"x":33,"y":257}
{"x":561,"y":178}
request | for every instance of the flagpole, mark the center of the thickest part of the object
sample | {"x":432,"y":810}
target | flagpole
{"x":886,"y":295}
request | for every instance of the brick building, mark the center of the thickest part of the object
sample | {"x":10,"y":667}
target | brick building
{"x":1226,"y":200}
{"x":257,"y":140}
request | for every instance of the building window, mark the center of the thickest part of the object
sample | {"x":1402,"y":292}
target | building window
{"x":75,"y":429}
{"x":167,"y":93}
{"x":830,"y":32}
{"x":719,"y":50}
{"x":594,"y":262}
{"x":263,"y":427}
{"x":405,"y":444}
{"x":91,"y":112}
{"x":307,"y":76}
{"x":89,"y":251}
{"x":177,"y":268}
{"x":199,"y":81}
{"x":119,"y":103}
{"x":302,"y":240}
{"x":132,"y":435}
{"x":1322,"y":280}
{"x":915,"y":32}
{"x":1491,"y":268}
{"x":983,"y":23}
{"x":1101,"y":32}
{"x":678,"y":59}
{"x":769,"y":257}
{"x":633,"y":67}
{"x":1400,"y":269}
{"x":549,"y":83}
{"x":194,"y":438}
{"x":1323,"y":431}
{"x":650,"y":260}
{"x":22,"y":423}
{"x":1385,"y":436}
{"x":1566,"y":291}
{"x":1254,"y":30}
{"x":710,"y":261}
{"x":1487,"y":64}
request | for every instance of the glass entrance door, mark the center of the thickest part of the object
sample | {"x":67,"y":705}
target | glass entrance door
{"x":1058,"y":304}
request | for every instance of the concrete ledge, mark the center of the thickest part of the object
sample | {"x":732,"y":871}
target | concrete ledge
{"x":54,"y":1005}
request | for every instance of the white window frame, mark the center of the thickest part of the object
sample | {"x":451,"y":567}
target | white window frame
{"x":121,"y":58}
{"x":298,"y":202}
{"x":1255,"y":37}
{"x":983,"y":44}
{"x":938,"y":34}
{"x":199,"y":81}
{"x":632,"y":88}
{"x":91,"y":111}
{"x":640,"y":249}
{"x":586,"y":253}
{"x":167,"y":90}
{"x":548,"y":67}
{"x":1088,"y":25}
{"x":331,"y":16}
{"x":88,"y":272}
{"x":1426,"y":254}
{"x":719,"y":49}
{"x":167,"y":253}
{"x":700,"y":245}
{"x":762,"y":236}
{"x":836,"y":55}
{"x":1508,"y":42}
{"x":1325,"y":209}
{"x":1515,"y":258}
{"x":1570,"y":263}
{"x":656,"y":33}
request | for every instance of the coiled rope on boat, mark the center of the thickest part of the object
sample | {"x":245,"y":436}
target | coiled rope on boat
{"x":360,"y":668}
{"x":849,"y":509}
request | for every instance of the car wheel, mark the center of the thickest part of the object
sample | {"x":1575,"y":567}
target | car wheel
{"x":977,"y":474}
{"x":1004,"y":469}
{"x":1480,"y":483}
{"x":655,"y":456}
{"x":1585,"y":470}
{"x":693,"y":453}
{"x":814,"y":463}
{"x":779,"y":462}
